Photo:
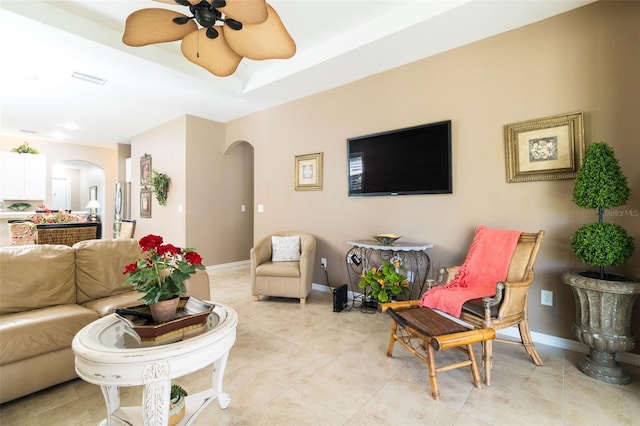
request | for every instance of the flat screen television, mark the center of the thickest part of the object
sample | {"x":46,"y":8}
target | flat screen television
{"x":414,"y":160}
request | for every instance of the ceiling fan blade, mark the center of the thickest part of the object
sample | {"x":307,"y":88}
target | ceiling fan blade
{"x":269,"y":40}
{"x":246,"y":11}
{"x":148,"y":26}
{"x":214,"y":55}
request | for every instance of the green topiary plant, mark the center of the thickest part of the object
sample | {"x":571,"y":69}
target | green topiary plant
{"x":600,"y":184}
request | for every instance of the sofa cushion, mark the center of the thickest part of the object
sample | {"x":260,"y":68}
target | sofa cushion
{"x":31,"y":333}
{"x":278,"y":269}
{"x":100,"y":266}
{"x":37,"y":276}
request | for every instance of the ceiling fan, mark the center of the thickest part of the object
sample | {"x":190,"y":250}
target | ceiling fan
{"x":217,"y":35}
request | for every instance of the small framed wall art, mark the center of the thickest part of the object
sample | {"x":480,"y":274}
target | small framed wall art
{"x":309,"y":172}
{"x":547,"y":148}
{"x":145,"y":170}
{"x":93,"y":193}
{"x":145,"y":203}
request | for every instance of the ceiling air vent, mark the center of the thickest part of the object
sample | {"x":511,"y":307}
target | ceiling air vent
{"x":89,"y":78}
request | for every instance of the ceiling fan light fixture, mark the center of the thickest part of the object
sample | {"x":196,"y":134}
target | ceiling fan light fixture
{"x":181,"y":20}
{"x":212,"y":33}
{"x":206,"y":17}
{"x":233,"y":24}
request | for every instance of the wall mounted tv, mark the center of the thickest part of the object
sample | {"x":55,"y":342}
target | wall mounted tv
{"x":414,"y":160}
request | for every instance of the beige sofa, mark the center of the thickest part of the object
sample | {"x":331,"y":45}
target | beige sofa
{"x":47,"y":294}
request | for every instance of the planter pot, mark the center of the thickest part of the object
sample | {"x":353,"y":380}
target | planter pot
{"x":165,"y":310}
{"x":176,"y":411}
{"x":603,"y":322}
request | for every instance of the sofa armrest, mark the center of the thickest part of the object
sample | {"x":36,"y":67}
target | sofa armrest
{"x":198,"y":285}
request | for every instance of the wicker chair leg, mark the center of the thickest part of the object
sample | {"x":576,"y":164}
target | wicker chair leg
{"x":303,"y":300}
{"x":433,"y":379}
{"x":392,"y":338}
{"x":527,"y":342}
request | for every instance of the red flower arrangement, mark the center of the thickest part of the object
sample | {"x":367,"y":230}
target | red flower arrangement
{"x":161,"y":273}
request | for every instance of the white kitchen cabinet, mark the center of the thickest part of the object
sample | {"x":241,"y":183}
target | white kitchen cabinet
{"x":23,"y":176}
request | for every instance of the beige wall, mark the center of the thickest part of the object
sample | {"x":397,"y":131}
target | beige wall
{"x":586,"y":60}
{"x":208,"y":186}
{"x":218,"y":184}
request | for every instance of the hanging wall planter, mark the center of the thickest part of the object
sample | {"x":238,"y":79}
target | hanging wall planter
{"x":160,"y":183}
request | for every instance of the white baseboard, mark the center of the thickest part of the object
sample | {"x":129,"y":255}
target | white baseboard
{"x":228,"y":265}
{"x":543,"y":339}
{"x":321,"y":287}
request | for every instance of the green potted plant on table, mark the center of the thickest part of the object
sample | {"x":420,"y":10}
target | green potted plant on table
{"x":177,"y":404}
{"x":385,"y":282}
{"x":160,"y":275}
{"x":604,"y":301}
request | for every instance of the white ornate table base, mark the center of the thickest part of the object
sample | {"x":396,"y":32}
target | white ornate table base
{"x":102,"y":359}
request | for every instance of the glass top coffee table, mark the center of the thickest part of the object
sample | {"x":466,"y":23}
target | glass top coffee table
{"x":107,"y":353}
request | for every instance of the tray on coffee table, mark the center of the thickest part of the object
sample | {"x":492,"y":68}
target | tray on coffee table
{"x":192,"y":314}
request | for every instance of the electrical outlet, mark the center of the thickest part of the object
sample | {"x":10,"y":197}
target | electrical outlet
{"x":546,"y":297}
{"x":323,"y":263}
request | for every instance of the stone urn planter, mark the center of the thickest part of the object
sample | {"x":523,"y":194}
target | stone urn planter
{"x":603,"y":322}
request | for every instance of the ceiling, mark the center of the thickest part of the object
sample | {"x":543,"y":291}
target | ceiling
{"x":42,"y":43}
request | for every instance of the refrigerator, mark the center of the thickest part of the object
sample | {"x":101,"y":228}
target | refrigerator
{"x":122,"y":205}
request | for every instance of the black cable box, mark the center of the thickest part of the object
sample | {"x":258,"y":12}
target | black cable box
{"x":340,"y":300}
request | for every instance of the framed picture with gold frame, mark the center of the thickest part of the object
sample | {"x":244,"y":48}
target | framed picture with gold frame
{"x":309,"y":172}
{"x":145,"y":203}
{"x":548,"y":148}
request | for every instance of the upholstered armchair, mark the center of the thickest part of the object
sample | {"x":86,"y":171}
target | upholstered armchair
{"x":282,"y":265}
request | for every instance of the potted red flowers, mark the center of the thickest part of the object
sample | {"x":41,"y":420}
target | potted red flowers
{"x":161,"y":273}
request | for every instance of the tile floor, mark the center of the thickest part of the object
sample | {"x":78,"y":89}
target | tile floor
{"x":306,"y":365}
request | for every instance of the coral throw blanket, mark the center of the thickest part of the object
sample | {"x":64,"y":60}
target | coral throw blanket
{"x":487,"y":263}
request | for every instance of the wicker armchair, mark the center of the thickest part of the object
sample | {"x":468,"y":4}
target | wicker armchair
{"x":127,"y":228}
{"x":22,"y":233}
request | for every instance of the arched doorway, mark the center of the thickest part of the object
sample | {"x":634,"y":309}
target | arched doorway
{"x":239,"y":175}
{"x":73,"y":183}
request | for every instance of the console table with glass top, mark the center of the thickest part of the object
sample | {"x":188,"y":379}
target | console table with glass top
{"x":365,"y":254}
{"x":106,"y":354}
